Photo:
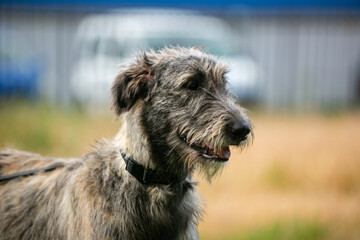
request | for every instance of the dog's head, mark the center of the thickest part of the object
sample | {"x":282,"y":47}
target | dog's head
{"x":189,"y":117}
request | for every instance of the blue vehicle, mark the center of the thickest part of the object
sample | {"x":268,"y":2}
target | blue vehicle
{"x":19,"y":71}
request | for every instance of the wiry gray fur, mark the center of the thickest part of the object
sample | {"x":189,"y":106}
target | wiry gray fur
{"x":94,"y":197}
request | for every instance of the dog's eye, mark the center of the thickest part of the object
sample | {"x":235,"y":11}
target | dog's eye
{"x":193,"y":84}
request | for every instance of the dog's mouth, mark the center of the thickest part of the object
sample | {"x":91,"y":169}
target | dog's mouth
{"x":209,"y":152}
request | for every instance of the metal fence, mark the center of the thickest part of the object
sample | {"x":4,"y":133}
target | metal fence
{"x":305,"y":62}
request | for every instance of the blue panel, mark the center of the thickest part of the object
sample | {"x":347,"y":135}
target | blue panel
{"x":198,"y":4}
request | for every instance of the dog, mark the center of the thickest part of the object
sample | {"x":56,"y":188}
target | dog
{"x":177,"y":117}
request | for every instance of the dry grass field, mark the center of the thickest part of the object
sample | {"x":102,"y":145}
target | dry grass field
{"x":299,"y":180}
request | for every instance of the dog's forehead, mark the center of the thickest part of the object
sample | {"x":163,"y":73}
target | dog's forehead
{"x":188,"y":62}
{"x":207,"y":66}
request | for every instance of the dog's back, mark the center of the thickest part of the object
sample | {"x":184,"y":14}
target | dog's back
{"x":29,"y":205}
{"x":14,"y":161}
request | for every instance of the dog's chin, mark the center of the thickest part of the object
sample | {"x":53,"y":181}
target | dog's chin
{"x":210,"y":168}
{"x":208,"y":162}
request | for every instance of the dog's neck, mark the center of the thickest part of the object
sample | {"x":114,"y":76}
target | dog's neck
{"x":132,"y":140}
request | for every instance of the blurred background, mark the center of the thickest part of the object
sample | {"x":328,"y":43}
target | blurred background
{"x":294,"y":64}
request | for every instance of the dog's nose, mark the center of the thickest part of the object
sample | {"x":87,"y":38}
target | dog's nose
{"x":239,"y":130}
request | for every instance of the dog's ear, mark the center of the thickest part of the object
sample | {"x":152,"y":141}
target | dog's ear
{"x":133,"y":82}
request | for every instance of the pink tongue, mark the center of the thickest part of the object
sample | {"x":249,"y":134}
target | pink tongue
{"x":224,"y":153}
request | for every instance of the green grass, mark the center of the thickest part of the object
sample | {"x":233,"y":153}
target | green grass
{"x":37,"y":127}
{"x":25,"y":127}
{"x":296,"y":230}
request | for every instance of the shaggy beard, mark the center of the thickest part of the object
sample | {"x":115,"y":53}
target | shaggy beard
{"x":208,"y":169}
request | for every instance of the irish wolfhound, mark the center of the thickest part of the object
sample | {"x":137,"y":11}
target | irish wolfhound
{"x":176,"y":116}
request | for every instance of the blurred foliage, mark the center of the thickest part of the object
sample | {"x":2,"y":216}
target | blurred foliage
{"x":65,"y":132}
{"x":277,"y":176}
{"x":296,"y":230}
{"x":26,"y":127}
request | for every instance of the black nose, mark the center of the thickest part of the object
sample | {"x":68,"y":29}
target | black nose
{"x":238,"y":130}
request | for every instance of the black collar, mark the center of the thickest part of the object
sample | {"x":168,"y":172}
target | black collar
{"x":147,"y":175}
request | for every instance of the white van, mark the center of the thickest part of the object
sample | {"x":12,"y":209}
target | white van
{"x":104,"y":42}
